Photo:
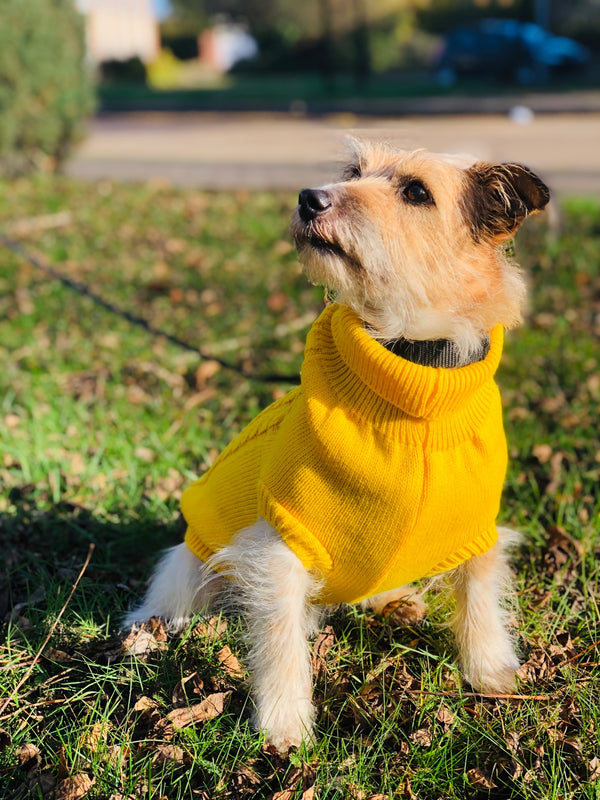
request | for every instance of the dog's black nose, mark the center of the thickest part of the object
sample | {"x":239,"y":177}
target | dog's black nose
{"x":313,"y":202}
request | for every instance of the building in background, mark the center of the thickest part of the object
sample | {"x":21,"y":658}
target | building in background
{"x":223,"y":45}
{"x":117,"y":30}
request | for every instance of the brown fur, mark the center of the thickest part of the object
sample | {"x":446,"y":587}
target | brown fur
{"x":426,"y":271}
{"x":499,"y":198}
{"x":410,"y":241}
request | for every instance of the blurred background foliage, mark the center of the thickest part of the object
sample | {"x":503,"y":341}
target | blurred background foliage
{"x":45,"y":91}
{"x":351,"y":46}
{"x":356,"y":34}
{"x":261,"y":54}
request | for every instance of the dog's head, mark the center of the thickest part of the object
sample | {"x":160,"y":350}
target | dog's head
{"x":412,"y":241}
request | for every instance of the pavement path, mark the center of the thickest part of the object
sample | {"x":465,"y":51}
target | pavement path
{"x":212,"y":150}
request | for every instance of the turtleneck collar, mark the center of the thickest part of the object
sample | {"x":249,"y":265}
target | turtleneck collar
{"x":419,"y":391}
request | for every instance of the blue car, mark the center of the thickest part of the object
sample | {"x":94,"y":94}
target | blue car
{"x":508,"y":50}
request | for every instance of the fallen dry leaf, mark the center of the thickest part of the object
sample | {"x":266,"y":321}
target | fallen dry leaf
{"x":54,"y":654}
{"x":561,"y":549}
{"x":92,"y":738}
{"x":74,"y":787}
{"x":323,"y":644}
{"x":151,"y":636}
{"x":169,"y":752}
{"x":445,"y":716}
{"x":142,"y":644}
{"x":594,"y":768}
{"x":192,"y":684}
{"x":145,"y":454}
{"x":277,"y":302}
{"x":406,"y":613}
{"x":354,"y":792}
{"x":245,"y":776}
{"x":543,"y":453}
{"x":230,"y":663}
{"x":28,"y":753}
{"x":145,"y":705}
{"x":574,"y":743}
{"x":422,"y":737}
{"x":480,"y":779}
{"x":206,"y":371}
{"x":41,"y":784}
{"x":209,"y":708}
{"x":212,"y":629}
{"x":117,"y":756}
{"x":12,"y":421}
{"x":405,"y":791}
{"x":555,"y":474}
{"x":513,"y":741}
{"x":179,"y":718}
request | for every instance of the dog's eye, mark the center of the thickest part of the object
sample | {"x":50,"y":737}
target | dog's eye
{"x":352,"y":172}
{"x":417,"y":194}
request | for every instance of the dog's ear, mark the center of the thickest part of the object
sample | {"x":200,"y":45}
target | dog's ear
{"x":498,"y":197}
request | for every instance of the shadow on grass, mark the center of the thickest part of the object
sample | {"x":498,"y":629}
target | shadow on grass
{"x":389,"y":702}
{"x":44,"y":548}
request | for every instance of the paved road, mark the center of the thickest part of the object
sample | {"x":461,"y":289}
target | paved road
{"x":250,"y":150}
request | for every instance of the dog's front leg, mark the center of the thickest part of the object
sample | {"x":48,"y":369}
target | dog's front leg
{"x":275,"y":591}
{"x":486,"y":649}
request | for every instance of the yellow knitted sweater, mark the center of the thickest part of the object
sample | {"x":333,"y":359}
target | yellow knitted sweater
{"x":375,"y":471}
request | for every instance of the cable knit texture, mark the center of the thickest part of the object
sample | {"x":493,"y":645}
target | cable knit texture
{"x":375,"y":471}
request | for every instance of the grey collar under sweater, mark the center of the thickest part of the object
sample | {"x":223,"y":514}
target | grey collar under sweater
{"x":437,"y":352}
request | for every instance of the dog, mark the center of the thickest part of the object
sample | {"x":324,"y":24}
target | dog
{"x":386,"y":464}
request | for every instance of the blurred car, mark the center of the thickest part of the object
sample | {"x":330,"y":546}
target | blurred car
{"x":508,"y":50}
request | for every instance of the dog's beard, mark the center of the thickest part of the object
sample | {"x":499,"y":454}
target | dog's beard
{"x":327,"y":258}
{"x":405,"y":290}
{"x":326,"y":264}
{"x":325,"y":247}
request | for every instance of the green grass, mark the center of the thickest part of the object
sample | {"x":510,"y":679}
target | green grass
{"x":103,"y":425}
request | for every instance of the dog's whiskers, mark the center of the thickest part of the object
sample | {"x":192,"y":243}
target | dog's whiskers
{"x":376,"y":471}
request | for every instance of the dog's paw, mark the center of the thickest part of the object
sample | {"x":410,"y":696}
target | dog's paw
{"x":282,"y":743}
{"x":286,"y":727}
{"x":495,"y":680}
{"x":283,"y":740}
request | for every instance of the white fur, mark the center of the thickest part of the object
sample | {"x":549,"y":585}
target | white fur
{"x":269,"y":585}
{"x":276,"y":595}
{"x":415,"y":272}
{"x":182,"y":585}
{"x":421,"y":274}
{"x":487,"y":652}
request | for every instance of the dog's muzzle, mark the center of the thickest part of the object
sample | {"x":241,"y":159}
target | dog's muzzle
{"x":312,"y":202}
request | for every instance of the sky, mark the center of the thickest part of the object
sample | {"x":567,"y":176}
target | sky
{"x":162,"y":7}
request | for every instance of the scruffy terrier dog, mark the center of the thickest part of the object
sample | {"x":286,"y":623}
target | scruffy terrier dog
{"x":386,"y":465}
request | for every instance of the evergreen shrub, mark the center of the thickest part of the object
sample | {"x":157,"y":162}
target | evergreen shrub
{"x":45,"y":87}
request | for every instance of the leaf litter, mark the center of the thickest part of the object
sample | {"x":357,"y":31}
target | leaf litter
{"x":361,"y":679}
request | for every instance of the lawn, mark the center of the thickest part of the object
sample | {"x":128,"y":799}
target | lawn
{"x":102,"y":424}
